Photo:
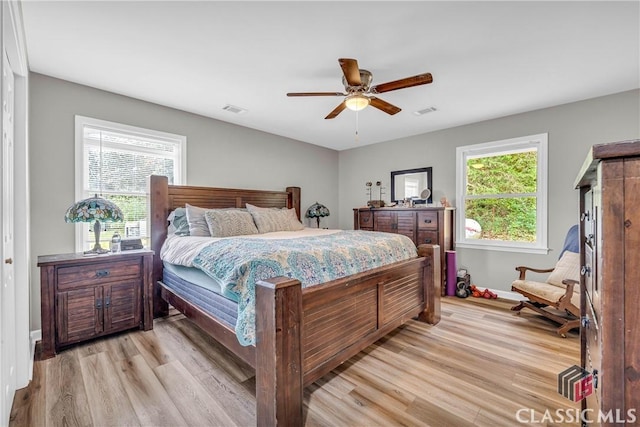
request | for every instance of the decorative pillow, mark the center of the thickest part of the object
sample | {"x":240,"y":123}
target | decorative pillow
{"x":567,"y":267}
{"x":269,"y":219}
{"x":197,"y":224}
{"x":178,"y":223}
{"x":229,"y":222}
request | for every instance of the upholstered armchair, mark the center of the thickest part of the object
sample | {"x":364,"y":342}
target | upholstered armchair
{"x":557,"y":298}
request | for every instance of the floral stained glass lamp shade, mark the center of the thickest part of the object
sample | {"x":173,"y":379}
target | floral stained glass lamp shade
{"x":317,"y":211}
{"x":94,"y":209}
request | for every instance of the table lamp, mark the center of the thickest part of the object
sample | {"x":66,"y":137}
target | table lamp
{"x":94,"y":209}
{"x":317,"y":211}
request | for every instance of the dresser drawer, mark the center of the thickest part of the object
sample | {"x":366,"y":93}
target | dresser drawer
{"x":428,"y":237}
{"x":94,"y":274}
{"x":427,"y":221}
{"x":366,"y":220}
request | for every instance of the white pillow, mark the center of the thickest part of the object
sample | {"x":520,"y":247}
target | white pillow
{"x":197,"y":223}
{"x":269,"y":219}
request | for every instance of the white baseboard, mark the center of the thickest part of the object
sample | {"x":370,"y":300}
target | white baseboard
{"x":35,"y":336}
{"x":513,"y":296}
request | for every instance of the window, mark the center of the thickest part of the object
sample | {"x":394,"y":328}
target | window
{"x":411,"y":186}
{"x":501,"y":193}
{"x":115,"y":161}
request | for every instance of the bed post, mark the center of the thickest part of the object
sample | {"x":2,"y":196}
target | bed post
{"x":158,"y":201}
{"x":279,"y":373}
{"x":294,"y":199}
{"x":431,"y":313}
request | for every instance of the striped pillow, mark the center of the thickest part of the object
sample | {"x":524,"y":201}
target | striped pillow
{"x":229,"y":222}
{"x":269,"y":219}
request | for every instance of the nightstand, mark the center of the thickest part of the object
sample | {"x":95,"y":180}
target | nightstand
{"x":85,"y":297}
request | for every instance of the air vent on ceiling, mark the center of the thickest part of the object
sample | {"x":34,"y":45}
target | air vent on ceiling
{"x":234,"y":109}
{"x":425,"y":111}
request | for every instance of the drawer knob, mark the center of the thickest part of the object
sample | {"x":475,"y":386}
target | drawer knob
{"x":427,"y":240}
{"x":102,"y":273}
{"x":8,"y":261}
{"x":365,"y":219}
{"x":585,"y":322}
{"x":427,"y":221}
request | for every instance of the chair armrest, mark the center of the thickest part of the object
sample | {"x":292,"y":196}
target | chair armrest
{"x":570,"y":284}
{"x":523,"y":271}
{"x":565,"y":300}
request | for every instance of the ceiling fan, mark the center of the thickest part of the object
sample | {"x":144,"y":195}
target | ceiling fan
{"x":359,"y":92}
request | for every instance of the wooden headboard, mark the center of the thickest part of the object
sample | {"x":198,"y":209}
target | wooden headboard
{"x":164,"y":198}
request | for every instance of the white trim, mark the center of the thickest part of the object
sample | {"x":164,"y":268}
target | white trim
{"x":34,"y":337}
{"x":13,"y":40}
{"x":508,"y":295}
{"x":538,"y":142}
{"x":502,"y":247}
{"x":513,"y":296}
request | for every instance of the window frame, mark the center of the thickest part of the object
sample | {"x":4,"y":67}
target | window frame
{"x":180,"y":168}
{"x":505,"y":146}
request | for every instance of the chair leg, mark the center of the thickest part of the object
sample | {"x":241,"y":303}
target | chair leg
{"x":567,"y":326}
{"x":518,"y":307}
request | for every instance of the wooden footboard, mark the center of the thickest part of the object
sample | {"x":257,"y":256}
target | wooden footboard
{"x":301,"y":334}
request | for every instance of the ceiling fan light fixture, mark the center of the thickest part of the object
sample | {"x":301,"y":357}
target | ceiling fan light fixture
{"x":356,"y":102}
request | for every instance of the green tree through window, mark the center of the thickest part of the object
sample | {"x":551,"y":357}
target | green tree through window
{"x":502,"y":194}
{"x":504,"y":202}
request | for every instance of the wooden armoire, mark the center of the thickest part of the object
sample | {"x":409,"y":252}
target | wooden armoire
{"x":609,"y":184}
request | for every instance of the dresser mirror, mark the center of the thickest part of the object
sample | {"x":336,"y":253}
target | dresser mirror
{"x":411,"y":184}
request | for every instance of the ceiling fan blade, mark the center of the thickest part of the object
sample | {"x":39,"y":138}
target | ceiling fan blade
{"x":384,"y":106}
{"x":336,"y":111}
{"x":351,"y":71}
{"x":420,"y":79}
{"x":316,"y":94}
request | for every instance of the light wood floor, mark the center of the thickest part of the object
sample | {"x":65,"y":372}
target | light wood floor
{"x":478,"y":366}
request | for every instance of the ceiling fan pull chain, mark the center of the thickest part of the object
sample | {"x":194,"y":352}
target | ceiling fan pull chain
{"x":357,"y":136}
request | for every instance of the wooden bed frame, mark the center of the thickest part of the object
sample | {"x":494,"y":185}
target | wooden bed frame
{"x":301,"y":334}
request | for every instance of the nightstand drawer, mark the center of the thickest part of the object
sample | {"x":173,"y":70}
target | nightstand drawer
{"x":428,"y":237}
{"x":427,"y":221}
{"x":94,"y":274}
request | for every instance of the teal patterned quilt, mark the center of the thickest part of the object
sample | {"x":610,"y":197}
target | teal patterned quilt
{"x":240,"y":263}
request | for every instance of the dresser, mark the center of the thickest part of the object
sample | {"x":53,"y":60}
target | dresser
{"x":430,"y":225}
{"x":85,"y":297}
{"x":609,"y":184}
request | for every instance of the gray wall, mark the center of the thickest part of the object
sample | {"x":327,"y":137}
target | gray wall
{"x":218,"y":154}
{"x":226,"y":155}
{"x":572,"y":129}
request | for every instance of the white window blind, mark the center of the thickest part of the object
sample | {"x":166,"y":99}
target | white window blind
{"x":115,"y":161}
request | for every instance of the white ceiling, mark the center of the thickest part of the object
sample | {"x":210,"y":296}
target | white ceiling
{"x":488,"y":59}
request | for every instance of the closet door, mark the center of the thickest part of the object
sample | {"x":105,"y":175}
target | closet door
{"x":7,"y":291}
